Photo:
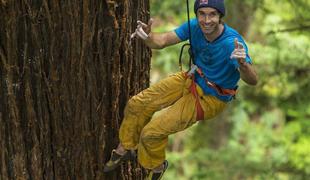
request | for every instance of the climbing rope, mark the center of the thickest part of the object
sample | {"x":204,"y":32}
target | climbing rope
{"x":191,"y":54}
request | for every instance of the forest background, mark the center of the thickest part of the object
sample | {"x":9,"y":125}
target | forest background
{"x":265,"y":132}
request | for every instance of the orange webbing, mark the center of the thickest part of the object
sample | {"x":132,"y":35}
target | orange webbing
{"x":193,"y":89}
{"x":219,"y":89}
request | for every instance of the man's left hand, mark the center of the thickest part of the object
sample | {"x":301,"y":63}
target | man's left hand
{"x":239,"y":52}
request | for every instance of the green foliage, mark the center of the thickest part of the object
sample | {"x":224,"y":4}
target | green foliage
{"x":171,"y":11}
{"x":262,"y":149}
{"x":297,"y":140}
{"x":166,"y":61}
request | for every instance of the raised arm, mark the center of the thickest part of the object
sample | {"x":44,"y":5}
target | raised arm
{"x":162,"y":40}
{"x":247,"y":71}
{"x":155,"y":40}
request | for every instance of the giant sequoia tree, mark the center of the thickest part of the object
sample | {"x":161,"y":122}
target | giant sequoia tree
{"x":67,"y":69}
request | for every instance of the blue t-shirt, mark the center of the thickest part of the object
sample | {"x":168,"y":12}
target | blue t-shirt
{"x":213,"y":58}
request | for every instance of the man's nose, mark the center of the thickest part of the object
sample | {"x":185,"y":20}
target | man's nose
{"x":207,"y":19}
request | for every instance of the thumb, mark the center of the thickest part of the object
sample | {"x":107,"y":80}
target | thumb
{"x":150,"y":22}
{"x":236,"y":43}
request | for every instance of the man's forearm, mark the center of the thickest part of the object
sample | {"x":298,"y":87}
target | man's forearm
{"x":155,"y":41}
{"x":248,"y":74}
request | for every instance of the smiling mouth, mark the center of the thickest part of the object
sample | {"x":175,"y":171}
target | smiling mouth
{"x":207,"y":27}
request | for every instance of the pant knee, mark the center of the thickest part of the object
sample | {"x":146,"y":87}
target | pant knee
{"x":145,"y":137}
{"x":133,"y":105}
{"x":149,"y":138}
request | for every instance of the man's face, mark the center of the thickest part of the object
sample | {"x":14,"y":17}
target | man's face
{"x":209,"y":20}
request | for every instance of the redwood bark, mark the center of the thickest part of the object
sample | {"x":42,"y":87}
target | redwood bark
{"x":67,"y":69}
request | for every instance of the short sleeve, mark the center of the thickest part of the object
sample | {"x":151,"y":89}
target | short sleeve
{"x":182,"y":31}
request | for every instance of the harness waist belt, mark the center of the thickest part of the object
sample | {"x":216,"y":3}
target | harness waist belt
{"x":219,"y":90}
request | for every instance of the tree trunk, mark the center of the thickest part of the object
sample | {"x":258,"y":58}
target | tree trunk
{"x":240,"y":14}
{"x":67,"y":69}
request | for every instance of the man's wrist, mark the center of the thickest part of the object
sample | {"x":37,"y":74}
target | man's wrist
{"x":243,"y":64}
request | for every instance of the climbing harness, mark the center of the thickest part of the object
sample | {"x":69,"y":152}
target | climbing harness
{"x":194,"y":68}
{"x":190,"y":73}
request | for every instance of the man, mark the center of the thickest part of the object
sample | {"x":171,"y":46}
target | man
{"x":221,"y":58}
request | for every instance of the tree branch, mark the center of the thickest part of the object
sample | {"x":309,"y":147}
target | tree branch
{"x":299,"y":28}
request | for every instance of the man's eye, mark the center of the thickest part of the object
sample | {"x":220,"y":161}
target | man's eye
{"x":213,"y":14}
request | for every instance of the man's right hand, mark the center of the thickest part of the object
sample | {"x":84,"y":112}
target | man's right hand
{"x":154,"y":40}
{"x":143,"y":30}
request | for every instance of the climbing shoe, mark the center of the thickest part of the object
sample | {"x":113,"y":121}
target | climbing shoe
{"x":157,"y":175}
{"x":116,"y":160}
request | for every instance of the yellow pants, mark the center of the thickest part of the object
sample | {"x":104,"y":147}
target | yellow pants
{"x":176,"y":105}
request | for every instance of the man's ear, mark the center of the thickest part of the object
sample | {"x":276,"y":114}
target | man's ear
{"x":221,"y":21}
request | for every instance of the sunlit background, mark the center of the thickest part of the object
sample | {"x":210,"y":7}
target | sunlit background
{"x":265,"y":132}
